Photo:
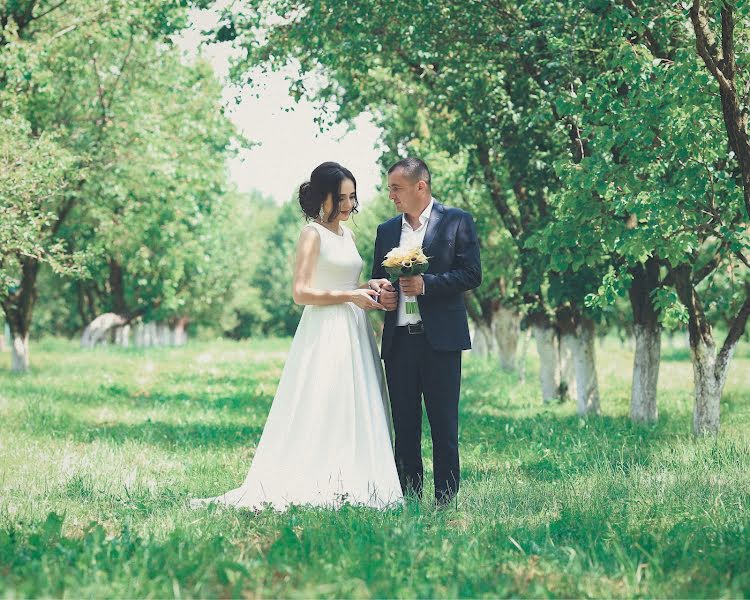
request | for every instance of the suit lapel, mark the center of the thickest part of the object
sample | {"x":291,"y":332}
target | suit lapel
{"x":432,"y":225}
{"x":394,"y":235}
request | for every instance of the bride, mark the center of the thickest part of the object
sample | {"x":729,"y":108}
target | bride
{"x":327,"y":439}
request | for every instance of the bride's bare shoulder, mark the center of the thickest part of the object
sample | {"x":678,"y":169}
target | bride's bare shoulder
{"x":309,"y":237}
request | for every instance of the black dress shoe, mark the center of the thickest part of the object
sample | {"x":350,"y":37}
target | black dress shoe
{"x":445,"y":501}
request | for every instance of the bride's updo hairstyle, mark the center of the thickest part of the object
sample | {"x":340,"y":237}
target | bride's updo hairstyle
{"x":324,"y":180}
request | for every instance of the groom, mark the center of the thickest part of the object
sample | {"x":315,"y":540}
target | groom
{"x":422,"y":352}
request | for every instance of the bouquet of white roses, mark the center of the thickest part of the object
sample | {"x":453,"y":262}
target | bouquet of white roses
{"x":406,"y":262}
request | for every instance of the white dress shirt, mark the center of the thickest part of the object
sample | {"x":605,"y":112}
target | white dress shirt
{"x":410,"y":238}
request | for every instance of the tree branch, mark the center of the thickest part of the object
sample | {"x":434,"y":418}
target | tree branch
{"x":48,"y":11}
{"x":651,"y":42}
{"x":736,"y":330}
{"x":728,"y":64}
{"x":706,"y":45}
{"x":496,"y":193}
{"x":709,"y":267}
{"x":125,"y":59}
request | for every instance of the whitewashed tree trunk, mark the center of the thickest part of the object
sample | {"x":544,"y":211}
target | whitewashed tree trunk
{"x":138,"y":332}
{"x":3,"y":344}
{"x":484,"y":342}
{"x":20,"y":353}
{"x":98,"y":330}
{"x":141,"y":335}
{"x":163,"y":334}
{"x":179,"y":332}
{"x":643,"y":407}
{"x":506,"y":331}
{"x":585,"y":365}
{"x":647,"y":339}
{"x":179,"y":336}
{"x":567,"y":366}
{"x":706,"y":411}
{"x":149,"y":334}
{"x":122,"y":336}
{"x":549,"y":367}
{"x":710,"y":373}
{"x":524,"y":347}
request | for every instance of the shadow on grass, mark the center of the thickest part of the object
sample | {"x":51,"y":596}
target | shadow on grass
{"x":169,"y":435}
{"x":548,"y":446}
{"x":135,"y":398}
{"x":56,"y":424}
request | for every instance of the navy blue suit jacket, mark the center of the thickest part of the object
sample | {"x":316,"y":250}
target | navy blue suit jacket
{"x":452,"y":246}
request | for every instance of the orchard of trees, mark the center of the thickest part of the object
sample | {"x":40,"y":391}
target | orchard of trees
{"x":601,"y":145}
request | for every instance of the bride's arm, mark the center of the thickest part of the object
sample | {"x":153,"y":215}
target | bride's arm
{"x":308,"y":249}
{"x":369,"y":285}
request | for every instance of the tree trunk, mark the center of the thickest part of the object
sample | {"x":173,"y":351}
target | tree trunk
{"x":709,"y":369}
{"x":643,"y":407}
{"x":549,"y":366}
{"x":566,"y":318}
{"x":3,"y":343}
{"x":720,"y":59}
{"x":20,"y":353}
{"x":706,"y":417}
{"x":525,"y":335}
{"x":647,"y":333}
{"x":117,"y":287}
{"x":122,"y":336}
{"x":97,"y":332}
{"x":496,"y":331}
{"x":567,"y":366}
{"x":482,"y":315}
{"x":138,"y":334}
{"x":163,"y":334}
{"x":179,"y":332}
{"x":150,"y":337}
{"x":506,"y":330}
{"x":706,"y":410}
{"x":585,"y":365}
{"x":484,"y":342}
{"x":18,"y":307}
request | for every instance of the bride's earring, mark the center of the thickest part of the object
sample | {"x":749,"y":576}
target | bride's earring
{"x":321,"y":214}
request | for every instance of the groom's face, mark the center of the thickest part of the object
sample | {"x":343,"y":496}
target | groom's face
{"x":404,"y":192}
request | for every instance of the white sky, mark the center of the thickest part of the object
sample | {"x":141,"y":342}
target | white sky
{"x":290,"y":143}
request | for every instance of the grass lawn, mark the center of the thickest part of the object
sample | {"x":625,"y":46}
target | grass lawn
{"x":100,"y":450}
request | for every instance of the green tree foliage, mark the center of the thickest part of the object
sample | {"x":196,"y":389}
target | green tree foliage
{"x":587,"y":125}
{"x":275,"y":270}
{"x":117,"y":156}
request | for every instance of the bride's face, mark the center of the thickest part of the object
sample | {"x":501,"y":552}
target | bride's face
{"x":346,"y":200}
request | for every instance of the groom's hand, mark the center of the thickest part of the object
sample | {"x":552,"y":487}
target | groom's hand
{"x":389,"y":297}
{"x":388,"y":294}
{"x":412,"y":286}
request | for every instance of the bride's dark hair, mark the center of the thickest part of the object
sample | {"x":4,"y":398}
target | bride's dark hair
{"x":325,"y":179}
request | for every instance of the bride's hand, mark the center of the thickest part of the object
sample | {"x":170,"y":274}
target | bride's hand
{"x":366,"y":299}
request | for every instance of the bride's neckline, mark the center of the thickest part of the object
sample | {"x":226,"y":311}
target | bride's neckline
{"x":329,"y":231}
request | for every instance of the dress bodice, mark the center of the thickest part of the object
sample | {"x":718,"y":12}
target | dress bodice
{"x":339,"y":264}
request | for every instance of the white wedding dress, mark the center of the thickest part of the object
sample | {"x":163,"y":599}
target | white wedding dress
{"x":327,"y":439}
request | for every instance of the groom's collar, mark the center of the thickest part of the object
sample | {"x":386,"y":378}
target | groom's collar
{"x":424,"y":217}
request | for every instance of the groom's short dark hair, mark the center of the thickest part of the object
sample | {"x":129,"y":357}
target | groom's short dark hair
{"x":415,"y":169}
